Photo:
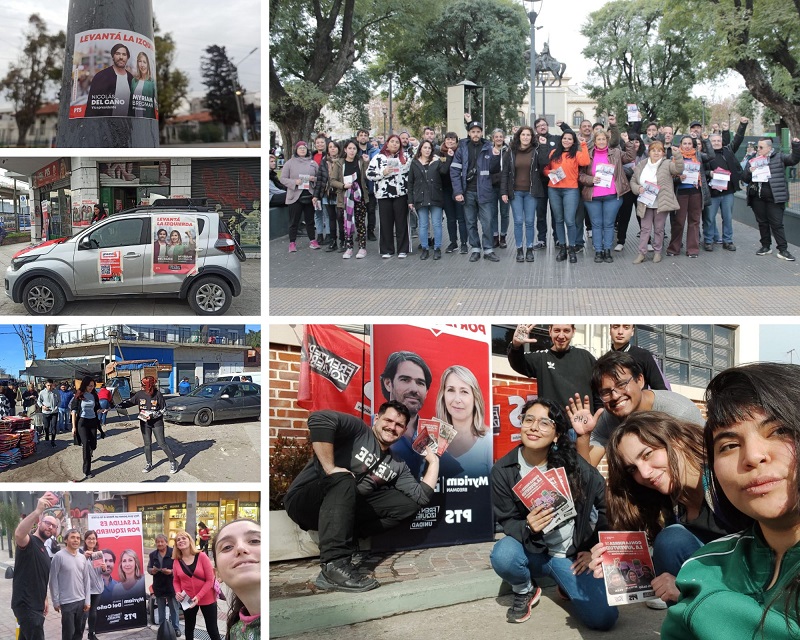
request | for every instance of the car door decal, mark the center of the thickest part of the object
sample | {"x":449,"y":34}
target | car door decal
{"x":175,"y":244}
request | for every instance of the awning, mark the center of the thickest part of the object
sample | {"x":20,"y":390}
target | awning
{"x":65,"y":368}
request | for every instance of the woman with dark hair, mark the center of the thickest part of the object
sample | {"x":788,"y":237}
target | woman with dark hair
{"x":748,"y":583}
{"x":425,"y":194}
{"x":349,"y":178}
{"x":298,"y":175}
{"x":325,"y":196}
{"x":237,"y":554}
{"x":656,"y":484}
{"x":453,"y":210}
{"x":95,"y":580}
{"x":277,"y":194}
{"x":204,"y":535}
{"x":629,"y":199}
{"x":389,"y":171}
{"x":692,"y":195}
{"x":84,"y":408}
{"x":521,"y":185}
{"x":527,"y":552}
{"x":151,"y":405}
{"x":565,"y":162}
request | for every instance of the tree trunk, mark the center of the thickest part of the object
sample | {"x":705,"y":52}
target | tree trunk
{"x":296,"y":124}
{"x":22,"y":134}
{"x":761,"y":89}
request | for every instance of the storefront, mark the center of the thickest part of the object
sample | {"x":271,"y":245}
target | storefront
{"x":53,"y":194}
{"x":126,"y":184}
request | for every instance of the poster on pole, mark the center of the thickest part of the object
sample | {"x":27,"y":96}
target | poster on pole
{"x":122,"y":604}
{"x":113,"y":75}
{"x":441,"y":372}
{"x":175,"y":244}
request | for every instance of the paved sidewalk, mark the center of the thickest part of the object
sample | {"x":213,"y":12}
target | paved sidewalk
{"x":314,"y":283}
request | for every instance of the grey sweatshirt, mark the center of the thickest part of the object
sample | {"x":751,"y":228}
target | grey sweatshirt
{"x":69,"y":578}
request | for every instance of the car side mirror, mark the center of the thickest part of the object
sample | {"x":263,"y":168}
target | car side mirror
{"x":224,"y":396}
{"x":85,"y":243}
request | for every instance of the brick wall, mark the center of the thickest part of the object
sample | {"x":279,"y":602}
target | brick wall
{"x":285,"y":417}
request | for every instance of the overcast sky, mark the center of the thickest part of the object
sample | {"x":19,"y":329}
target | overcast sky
{"x":194,"y":25}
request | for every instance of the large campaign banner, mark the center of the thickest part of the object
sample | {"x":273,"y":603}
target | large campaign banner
{"x":441,"y":372}
{"x":334,"y":371}
{"x":122,"y":604}
{"x":113,"y":75}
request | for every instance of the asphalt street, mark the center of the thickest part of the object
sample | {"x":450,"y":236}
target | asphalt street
{"x":223,"y":452}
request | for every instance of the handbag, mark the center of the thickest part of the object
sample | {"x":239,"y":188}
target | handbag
{"x":166,"y":630}
{"x":305,"y":197}
{"x":218,"y":590}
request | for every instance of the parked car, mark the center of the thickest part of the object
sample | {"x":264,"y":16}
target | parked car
{"x":216,"y":401}
{"x":125,"y":255}
{"x":238,"y":377}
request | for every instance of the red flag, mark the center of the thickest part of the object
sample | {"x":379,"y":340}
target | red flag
{"x":334,"y":371}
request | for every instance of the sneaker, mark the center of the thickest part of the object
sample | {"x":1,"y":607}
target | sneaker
{"x":347,"y":254}
{"x":424,"y":254}
{"x":292,"y":247}
{"x":520,"y":611}
{"x":386,"y":256}
{"x":147,"y":468}
{"x":598,"y":256}
{"x":785,"y":255}
{"x":520,"y":255}
{"x":173,"y":467}
{"x":607,"y":257}
{"x":708,"y":246}
{"x":540,"y":245}
{"x":658,"y":603}
{"x":333,"y":246}
{"x":529,"y":255}
{"x":474,"y":256}
{"x":437,"y":254}
{"x":638,"y":259}
{"x":314,"y":244}
{"x":402,"y":255}
{"x":562,"y":254}
{"x":503,"y":243}
{"x":451,"y":247}
{"x":491,"y":257}
{"x":371,"y":237}
{"x":340,"y":575}
{"x":619,"y":247}
{"x":763,"y":251}
{"x":649,"y":247}
{"x":464,"y":248}
{"x":729,"y":246}
{"x":572,"y":257}
{"x":362,"y":253}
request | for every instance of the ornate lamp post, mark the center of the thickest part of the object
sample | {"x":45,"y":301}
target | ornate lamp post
{"x":532,"y":15}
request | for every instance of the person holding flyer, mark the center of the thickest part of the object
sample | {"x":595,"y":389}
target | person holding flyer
{"x":160,"y":567}
{"x":193,"y":580}
{"x":531,"y":548}
{"x":656,"y":484}
{"x":94,"y":557}
{"x":299,"y":175}
{"x":237,"y":554}
{"x":389,"y":169}
{"x":747,"y":583}
{"x":84,"y":408}
{"x":693,"y":194}
{"x":653,"y":177}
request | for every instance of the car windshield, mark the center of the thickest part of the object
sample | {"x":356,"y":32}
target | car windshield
{"x":207,"y":391}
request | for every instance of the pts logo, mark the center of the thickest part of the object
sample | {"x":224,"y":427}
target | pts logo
{"x":457,"y":515}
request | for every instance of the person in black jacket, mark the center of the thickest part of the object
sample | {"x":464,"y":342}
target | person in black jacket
{"x":160,"y":567}
{"x":85,"y":408}
{"x":426,"y":197}
{"x":563,"y":553}
{"x":621,"y":335}
{"x":722,"y":195}
{"x":110,"y":90}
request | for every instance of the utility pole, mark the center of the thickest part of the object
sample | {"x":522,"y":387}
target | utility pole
{"x":134,"y":16}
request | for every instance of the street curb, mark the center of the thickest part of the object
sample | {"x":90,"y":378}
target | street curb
{"x":299,"y":615}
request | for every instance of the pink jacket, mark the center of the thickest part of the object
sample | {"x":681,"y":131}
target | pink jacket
{"x":201,"y":584}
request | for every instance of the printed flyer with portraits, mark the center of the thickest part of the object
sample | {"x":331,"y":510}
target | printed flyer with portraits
{"x":627,"y":567}
{"x":442,"y":375}
{"x":113,"y":75}
{"x":175,"y":244}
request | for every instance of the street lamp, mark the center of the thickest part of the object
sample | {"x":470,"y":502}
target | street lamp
{"x":390,"y":74}
{"x":703,"y":101}
{"x":543,"y":79}
{"x":237,"y":90}
{"x":532,"y":15}
{"x":383,"y":109}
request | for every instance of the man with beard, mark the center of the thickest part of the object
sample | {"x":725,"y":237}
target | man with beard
{"x":354,"y":486}
{"x":619,"y":382}
{"x":109,"y":559}
{"x":32,"y":569}
{"x":110,"y":91}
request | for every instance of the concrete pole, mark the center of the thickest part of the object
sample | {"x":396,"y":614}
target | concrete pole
{"x":532,"y":17}
{"x":85,"y":15}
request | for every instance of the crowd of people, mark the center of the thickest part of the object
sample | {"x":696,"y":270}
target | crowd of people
{"x":591,"y":180}
{"x":76,"y":586}
{"x":716,"y":497}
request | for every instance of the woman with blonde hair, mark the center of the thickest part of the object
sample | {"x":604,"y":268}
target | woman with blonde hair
{"x":460,"y":403}
{"x":193,"y":578}
{"x":143,"y":89}
{"x":131,"y":576}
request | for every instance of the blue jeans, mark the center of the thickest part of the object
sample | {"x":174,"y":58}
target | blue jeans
{"x":105,"y":405}
{"x":456,"y":223}
{"x":435,"y":214}
{"x":172,"y":603}
{"x":517,"y":566}
{"x":321,"y":219}
{"x":672,"y":547}
{"x":523,"y":206}
{"x":502,"y":227}
{"x":710,"y":233}
{"x":63,"y":420}
{"x":564,"y":204}
{"x":541,"y":218}
{"x":603,"y":214}
{"x":474,"y":211}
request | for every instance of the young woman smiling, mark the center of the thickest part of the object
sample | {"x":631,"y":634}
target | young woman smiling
{"x":237,"y":554}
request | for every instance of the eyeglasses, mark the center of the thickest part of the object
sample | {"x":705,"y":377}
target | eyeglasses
{"x":545,"y":424}
{"x":619,"y":388}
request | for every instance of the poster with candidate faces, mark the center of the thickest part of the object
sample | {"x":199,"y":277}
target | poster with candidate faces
{"x":441,"y":372}
{"x":113,"y":75}
{"x":122,"y":604}
{"x":175,"y":244}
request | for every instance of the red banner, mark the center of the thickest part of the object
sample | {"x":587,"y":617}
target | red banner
{"x":508,"y":400}
{"x":334,"y":371}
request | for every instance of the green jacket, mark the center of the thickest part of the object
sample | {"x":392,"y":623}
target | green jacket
{"x":723,"y":592}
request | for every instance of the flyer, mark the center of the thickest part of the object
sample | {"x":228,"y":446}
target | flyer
{"x":627,"y":567}
{"x":649,"y":195}
{"x":691,"y":172}
{"x":175,"y":244}
{"x":110,"y":266}
{"x":759,"y":167}
{"x":720,"y":179}
{"x":536,"y":490}
{"x":633,"y":113}
{"x":557,"y":176}
{"x":606,"y":174}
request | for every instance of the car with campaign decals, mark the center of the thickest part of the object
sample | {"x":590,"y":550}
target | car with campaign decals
{"x":185,"y":251}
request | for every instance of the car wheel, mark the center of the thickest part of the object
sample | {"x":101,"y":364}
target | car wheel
{"x":204,"y":418}
{"x":210,"y":296}
{"x":43,"y":297}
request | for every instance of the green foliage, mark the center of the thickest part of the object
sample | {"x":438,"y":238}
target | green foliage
{"x":286,"y":461}
{"x":173,"y":84}
{"x":350,"y":98}
{"x":37,"y":68}
{"x":187,"y":134}
{"x":253,"y":338}
{"x":219,"y":76}
{"x":9,"y":519}
{"x":210,"y":132}
{"x":483,"y":41}
{"x":639,"y":59}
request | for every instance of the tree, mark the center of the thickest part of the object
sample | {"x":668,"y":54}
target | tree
{"x":483,"y":41}
{"x":350,"y":99}
{"x":313,"y":44}
{"x":28,"y":78}
{"x":173,"y":84}
{"x":759,"y":40}
{"x":219,"y":75}
{"x":253,"y":338}
{"x":639,"y":61}
{"x":9,"y":519}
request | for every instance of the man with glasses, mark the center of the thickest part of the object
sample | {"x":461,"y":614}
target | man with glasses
{"x":353,"y":486}
{"x":32,"y":569}
{"x":618,"y":380}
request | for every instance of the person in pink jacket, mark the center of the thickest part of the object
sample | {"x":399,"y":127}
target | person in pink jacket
{"x":193,"y":579}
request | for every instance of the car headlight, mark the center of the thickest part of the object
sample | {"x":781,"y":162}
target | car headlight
{"x":176,"y":408}
{"x":16,"y":263}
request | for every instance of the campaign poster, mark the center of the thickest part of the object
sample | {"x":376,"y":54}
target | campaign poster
{"x":113,"y":75}
{"x":441,"y":372}
{"x":122,"y":605}
{"x":110,"y":266}
{"x":175,"y":244}
{"x":85,"y":215}
{"x":627,"y":567}
{"x":45,"y":220}
{"x":506,"y":419}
